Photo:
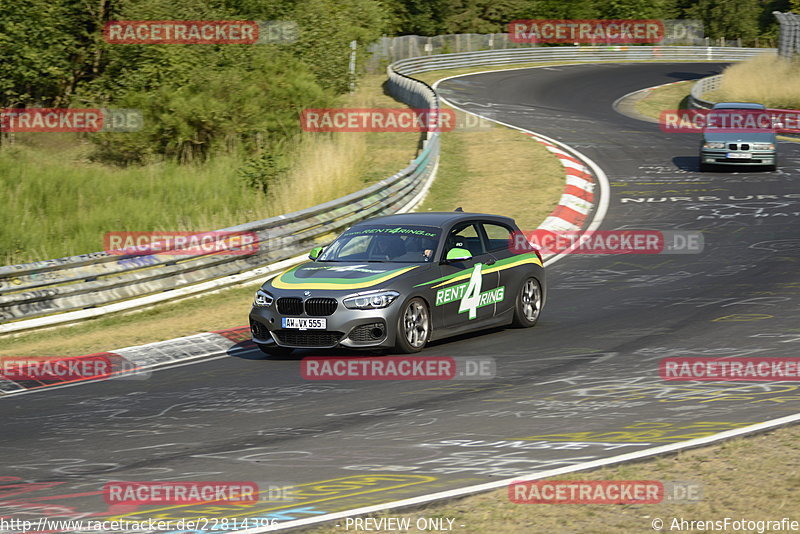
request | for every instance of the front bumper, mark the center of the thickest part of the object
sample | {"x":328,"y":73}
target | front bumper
{"x":344,"y":328}
{"x":720,"y":157}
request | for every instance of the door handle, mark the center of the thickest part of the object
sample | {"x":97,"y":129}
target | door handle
{"x":490,"y":261}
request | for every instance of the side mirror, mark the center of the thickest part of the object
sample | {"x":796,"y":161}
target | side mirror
{"x":315,"y":252}
{"x":458,"y":254}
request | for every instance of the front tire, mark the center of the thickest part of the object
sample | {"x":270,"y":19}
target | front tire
{"x":528,"y":304}
{"x":413,"y":327}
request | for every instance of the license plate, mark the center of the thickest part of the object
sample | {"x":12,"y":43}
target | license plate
{"x":739,"y":155}
{"x":302,"y":323}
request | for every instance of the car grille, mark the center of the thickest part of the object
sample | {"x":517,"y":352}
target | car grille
{"x":259,"y":330}
{"x":735,"y":146}
{"x":290,"y":306}
{"x":315,"y":307}
{"x":364,"y":332}
{"x":320,"y":307}
{"x":319,"y":338}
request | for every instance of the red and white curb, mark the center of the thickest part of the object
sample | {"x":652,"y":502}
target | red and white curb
{"x":577,"y":200}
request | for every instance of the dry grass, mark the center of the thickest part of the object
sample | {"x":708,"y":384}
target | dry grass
{"x":753,"y":478}
{"x":329,"y":166}
{"x":766,"y":79}
{"x":59,"y":203}
{"x":516,"y":177}
{"x":673,"y":96}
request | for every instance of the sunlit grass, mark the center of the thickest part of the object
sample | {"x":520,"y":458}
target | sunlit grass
{"x":57,"y":202}
{"x":766,"y":79}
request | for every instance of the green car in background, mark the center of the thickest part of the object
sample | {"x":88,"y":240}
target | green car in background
{"x":722,"y":146}
{"x":399,"y":281}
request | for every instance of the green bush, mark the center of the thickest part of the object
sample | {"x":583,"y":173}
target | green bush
{"x":217,"y":110}
{"x":266,"y":169}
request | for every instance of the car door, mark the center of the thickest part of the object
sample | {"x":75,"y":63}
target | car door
{"x":498,"y":238}
{"x":459,"y":296}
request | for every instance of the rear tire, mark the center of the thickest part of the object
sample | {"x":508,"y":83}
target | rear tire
{"x":276,"y":351}
{"x":413,"y":327}
{"x":528,"y":304}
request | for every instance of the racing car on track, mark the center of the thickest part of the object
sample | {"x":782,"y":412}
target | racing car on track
{"x":737,"y":146}
{"x":400,"y":281}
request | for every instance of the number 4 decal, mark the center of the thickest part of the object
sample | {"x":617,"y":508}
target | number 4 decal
{"x":472,"y":295}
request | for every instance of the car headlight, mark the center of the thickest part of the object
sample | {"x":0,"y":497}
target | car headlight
{"x":714,"y":144}
{"x":263,"y":299}
{"x":370,"y":300}
{"x":763,"y":146}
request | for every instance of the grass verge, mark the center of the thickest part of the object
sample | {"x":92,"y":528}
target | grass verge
{"x":766,"y":79}
{"x":753,"y":478}
{"x":517,"y":177}
{"x":672,"y":96}
{"x":59,"y":203}
{"x":676,"y":96}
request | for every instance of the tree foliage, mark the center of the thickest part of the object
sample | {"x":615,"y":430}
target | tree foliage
{"x":199,"y":99}
{"x":723,"y":18}
{"x":196,"y":99}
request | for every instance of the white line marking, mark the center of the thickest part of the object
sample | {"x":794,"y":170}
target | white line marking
{"x":478,"y":488}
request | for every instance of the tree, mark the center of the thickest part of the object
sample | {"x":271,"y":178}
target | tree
{"x":728,"y":18}
{"x":326,"y":29}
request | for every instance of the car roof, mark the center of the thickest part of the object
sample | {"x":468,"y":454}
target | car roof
{"x":738,"y":105}
{"x":435,"y":218}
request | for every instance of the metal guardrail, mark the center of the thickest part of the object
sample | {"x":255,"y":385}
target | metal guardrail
{"x":699,"y":89}
{"x":575,"y":53}
{"x":63,"y":290}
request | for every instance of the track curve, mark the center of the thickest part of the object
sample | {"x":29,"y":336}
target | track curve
{"x":583,"y":385}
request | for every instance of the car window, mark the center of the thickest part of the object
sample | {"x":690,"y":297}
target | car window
{"x":384,"y":243}
{"x":498,"y":235}
{"x":356,"y":245}
{"x":465,"y":236}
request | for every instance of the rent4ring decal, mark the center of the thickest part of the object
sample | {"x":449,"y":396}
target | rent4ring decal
{"x":470,"y":294}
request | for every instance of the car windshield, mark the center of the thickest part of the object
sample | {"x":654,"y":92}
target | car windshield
{"x":384,"y":243}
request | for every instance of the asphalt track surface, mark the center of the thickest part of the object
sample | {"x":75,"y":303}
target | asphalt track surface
{"x":582,"y":385}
